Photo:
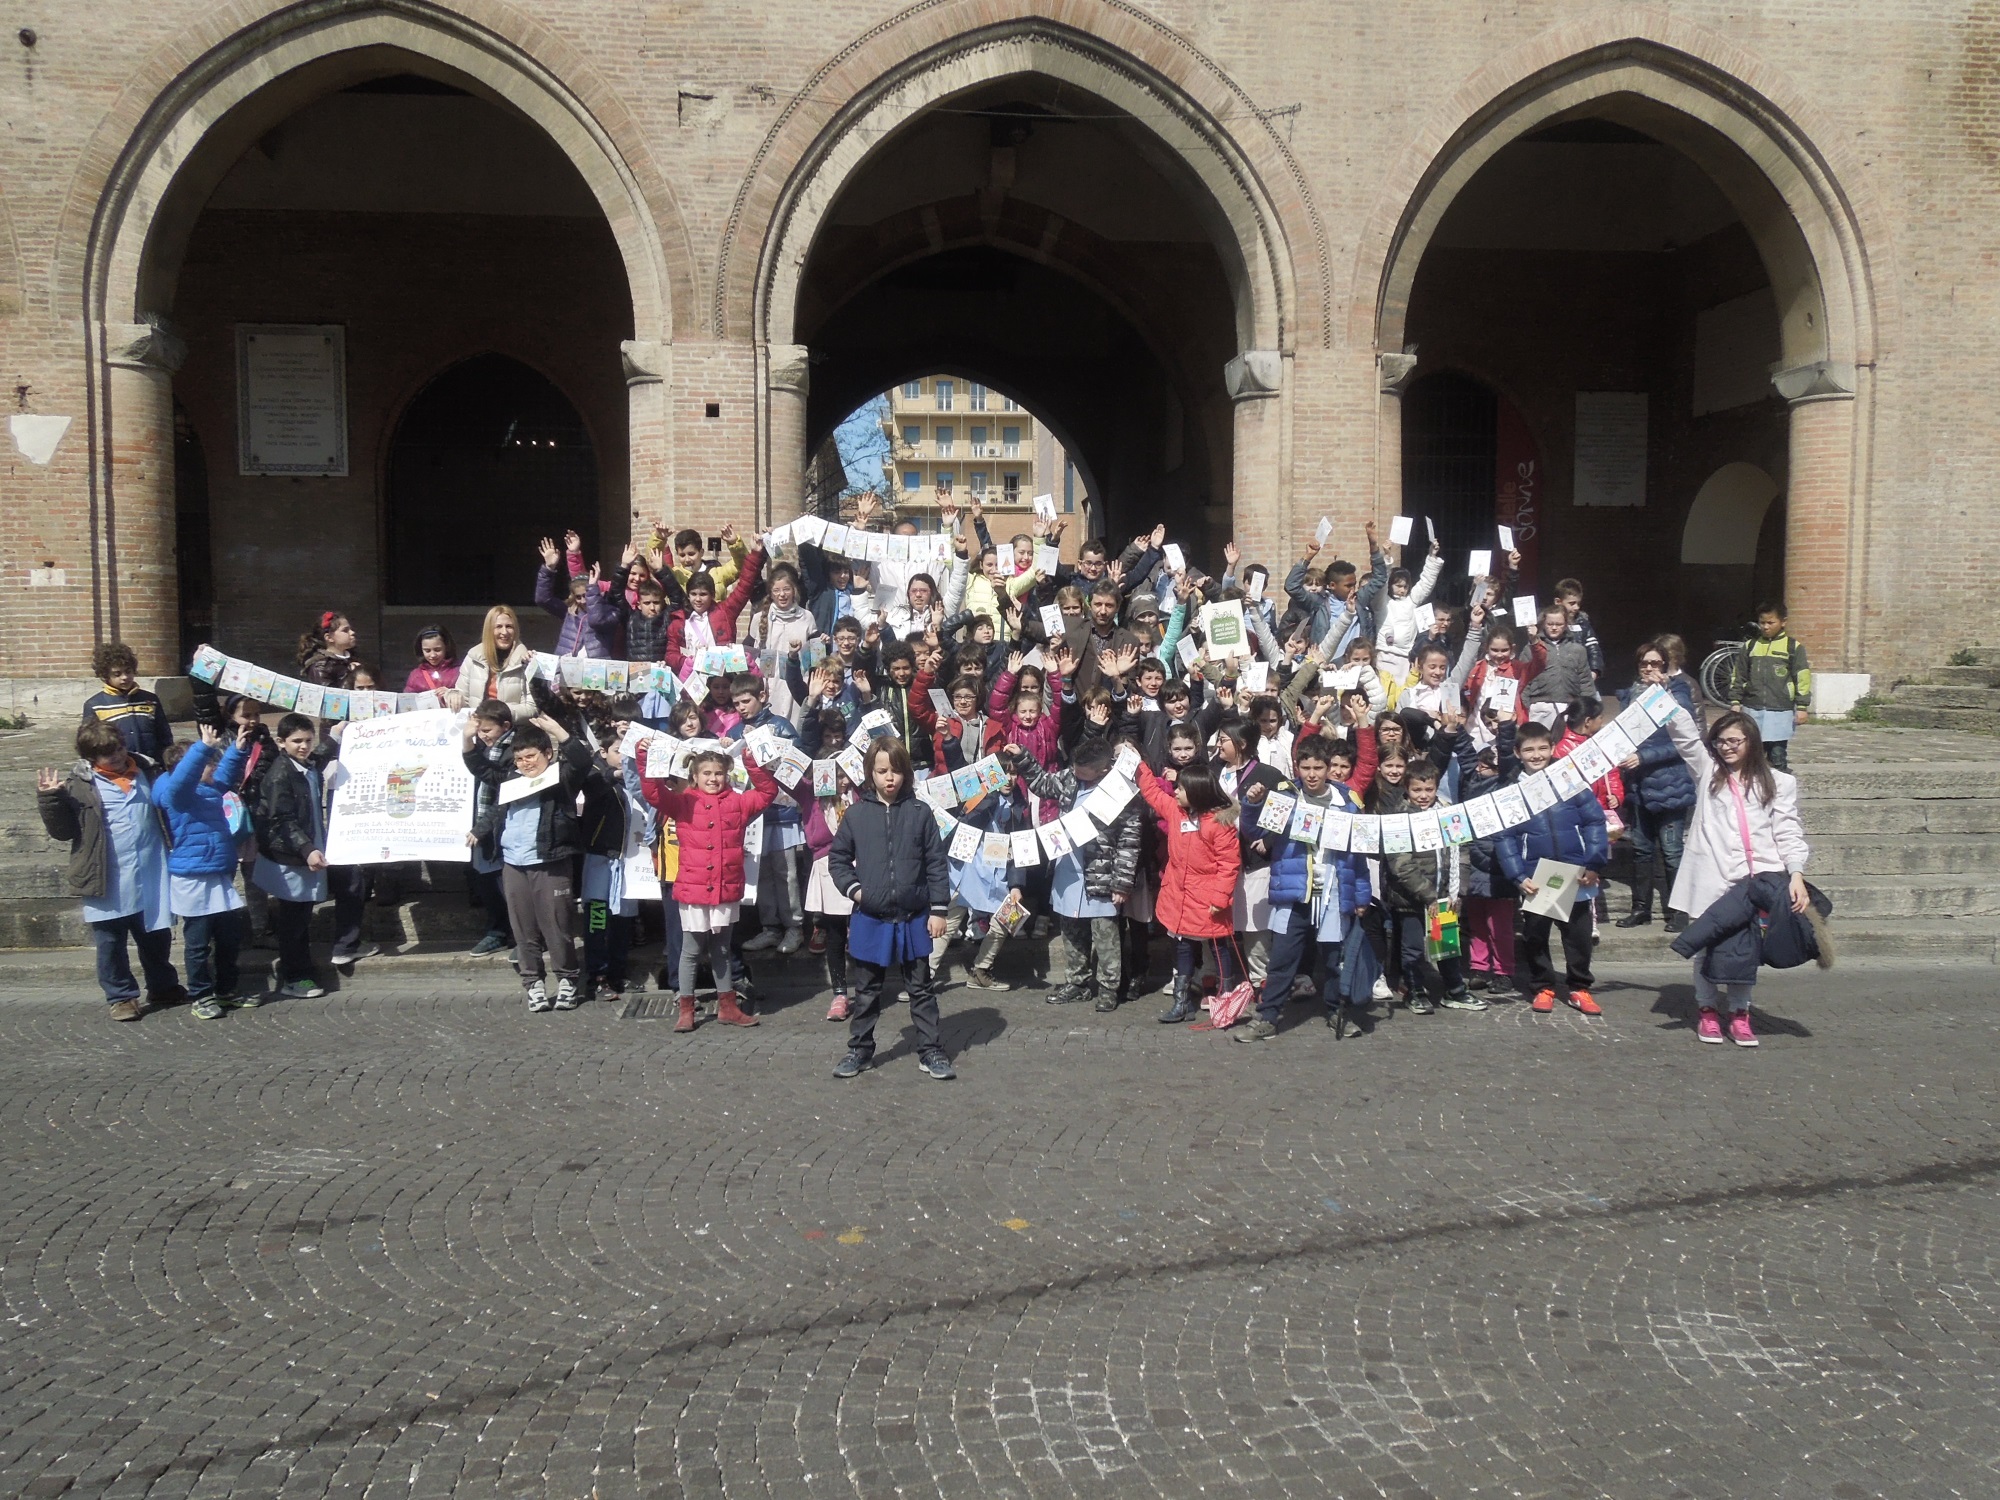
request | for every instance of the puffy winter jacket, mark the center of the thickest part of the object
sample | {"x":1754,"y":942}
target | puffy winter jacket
{"x":203,"y":844}
{"x":1572,"y":832}
{"x":598,"y":630}
{"x":1112,"y":862}
{"x":1350,"y":871}
{"x":1204,"y":860}
{"x":1042,"y":739}
{"x":711,"y":827}
{"x":1663,"y":783}
{"x":889,"y":859}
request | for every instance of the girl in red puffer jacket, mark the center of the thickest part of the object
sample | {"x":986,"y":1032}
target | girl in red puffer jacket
{"x":1198,"y":886}
{"x":711,"y":821}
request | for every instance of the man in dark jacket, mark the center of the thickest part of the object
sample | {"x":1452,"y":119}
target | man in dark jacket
{"x":888,"y":859}
{"x":1093,"y":947}
{"x":1571,"y":832}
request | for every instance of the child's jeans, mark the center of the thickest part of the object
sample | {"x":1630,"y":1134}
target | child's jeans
{"x":1488,"y":925}
{"x":539,"y":904}
{"x":211,"y":943}
{"x":114,"y":968}
{"x":916,"y":974}
{"x":1291,"y":951}
{"x":1576,"y":948}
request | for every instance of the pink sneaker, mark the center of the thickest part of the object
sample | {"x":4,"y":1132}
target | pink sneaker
{"x":838,"y":1010}
{"x":1739,"y":1029}
{"x":1709,"y":1027}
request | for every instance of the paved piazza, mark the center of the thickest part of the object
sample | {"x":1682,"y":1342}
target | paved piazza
{"x":409,"y":1240}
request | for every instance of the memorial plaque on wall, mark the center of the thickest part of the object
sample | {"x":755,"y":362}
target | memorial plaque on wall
{"x":291,"y":398}
{"x":1610,"y":447}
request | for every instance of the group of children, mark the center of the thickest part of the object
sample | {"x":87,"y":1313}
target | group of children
{"x":1358,"y":696}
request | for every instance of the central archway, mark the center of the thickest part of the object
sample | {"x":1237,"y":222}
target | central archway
{"x":1025,"y":166}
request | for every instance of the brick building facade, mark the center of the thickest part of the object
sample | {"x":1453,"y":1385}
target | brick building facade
{"x":1261,"y":262}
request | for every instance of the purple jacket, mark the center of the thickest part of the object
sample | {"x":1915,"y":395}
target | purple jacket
{"x":599,"y":631}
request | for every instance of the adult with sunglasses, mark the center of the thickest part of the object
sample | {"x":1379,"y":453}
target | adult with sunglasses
{"x":1660,"y":792}
{"x":1744,"y":827}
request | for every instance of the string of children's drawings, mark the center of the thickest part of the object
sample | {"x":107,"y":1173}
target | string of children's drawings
{"x":973,"y":785}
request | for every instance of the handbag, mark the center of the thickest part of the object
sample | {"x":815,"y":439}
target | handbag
{"x":1231,"y":1005}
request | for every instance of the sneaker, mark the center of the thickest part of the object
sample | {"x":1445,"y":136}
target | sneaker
{"x":208,"y":1008}
{"x":248,"y":1001}
{"x":127,"y":1010}
{"x":1709,"y":1027}
{"x":838,"y":1010}
{"x":346,"y":964}
{"x":1500,"y":984}
{"x":301,"y":989}
{"x":982,"y":979}
{"x":491,"y":943}
{"x":1463,"y":1000}
{"x":763,"y":942}
{"x":1105,"y":1004}
{"x":851,"y":1065}
{"x":1420,"y":1003}
{"x":1381,"y":990}
{"x":1066,"y":994}
{"x":934,"y":1063}
{"x":793,"y":940}
{"x":1545,"y":1001}
{"x":566,"y":995}
{"x":1583,"y":1002}
{"x":1259,"y":1030}
{"x":817,"y":945}
{"x":538,"y":997}
{"x":1739,"y":1029}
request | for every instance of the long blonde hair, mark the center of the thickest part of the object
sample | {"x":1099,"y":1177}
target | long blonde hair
{"x":494,"y":660}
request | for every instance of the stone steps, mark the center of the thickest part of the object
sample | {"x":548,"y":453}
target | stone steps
{"x":1963,"y":720}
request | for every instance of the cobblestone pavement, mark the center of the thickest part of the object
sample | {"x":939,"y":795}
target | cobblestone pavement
{"x":410,"y":1240}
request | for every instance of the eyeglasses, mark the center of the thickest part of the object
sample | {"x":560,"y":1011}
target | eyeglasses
{"x":1734,"y":742}
{"x":1652,"y":661}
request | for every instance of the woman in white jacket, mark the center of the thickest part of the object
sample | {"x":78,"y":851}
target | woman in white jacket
{"x":1398,"y":631}
{"x":1745,"y":822}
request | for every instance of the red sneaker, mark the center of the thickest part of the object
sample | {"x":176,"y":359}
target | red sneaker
{"x":838,"y":1010}
{"x":1709,"y":1027}
{"x":1739,"y":1029}
{"x":1582,"y":1001}
{"x":1545,"y":1001}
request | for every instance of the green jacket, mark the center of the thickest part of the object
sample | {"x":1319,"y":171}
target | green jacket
{"x":1775,"y":677}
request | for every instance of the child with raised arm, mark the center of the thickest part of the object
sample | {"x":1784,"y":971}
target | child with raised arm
{"x":105,"y":811}
{"x":889,"y":861}
{"x":1397,"y":633}
{"x":207,"y":818}
{"x":535,"y":834}
{"x":711,"y":822}
{"x":1204,"y":857}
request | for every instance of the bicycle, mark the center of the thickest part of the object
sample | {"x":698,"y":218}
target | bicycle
{"x":1724,"y":669}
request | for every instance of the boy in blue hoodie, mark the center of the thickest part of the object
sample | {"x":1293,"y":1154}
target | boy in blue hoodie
{"x":1573,"y":832}
{"x":208,"y":822}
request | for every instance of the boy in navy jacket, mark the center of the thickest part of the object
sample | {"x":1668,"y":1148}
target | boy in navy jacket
{"x":1573,"y":832}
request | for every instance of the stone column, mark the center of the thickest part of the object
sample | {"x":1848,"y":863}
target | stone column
{"x":135,"y":547}
{"x":1255,"y":380}
{"x":1819,"y":500}
{"x":1392,"y":373}
{"x":789,"y":378}
{"x":649,"y":437}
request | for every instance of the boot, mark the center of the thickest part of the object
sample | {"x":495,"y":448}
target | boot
{"x":1642,"y":907}
{"x":981,"y":976}
{"x":1184,"y":1005}
{"x":685,"y":1021}
{"x":729,"y":1013}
